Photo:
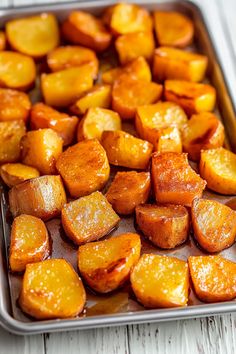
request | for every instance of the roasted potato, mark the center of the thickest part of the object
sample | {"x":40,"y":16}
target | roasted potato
{"x":11,"y":133}
{"x":214,"y":224}
{"x":17,"y":71}
{"x":125,"y":150}
{"x":14,"y":105}
{"x":202,"y":132}
{"x":52,"y":289}
{"x":167,"y":140}
{"x":63,"y":88}
{"x":34,"y":36}
{"x":174,"y":180}
{"x":172,"y":63}
{"x":15,"y":173}
{"x":42,"y":197}
{"x":127,"y":190}
{"x":85,"y":29}
{"x":133,"y":45}
{"x":84,"y":167}
{"x":218,"y":168}
{"x":129,"y":93}
{"x":88,"y":218}
{"x":213,"y":277}
{"x":160,"y":281}
{"x":192,"y":97}
{"x":106,"y":265}
{"x":43,"y":116}
{"x":166,"y":226}
{"x":95,"y":121}
{"x":41,"y":149}
{"x":29,"y":242}
{"x":2,"y":40}
{"x":173,"y":29}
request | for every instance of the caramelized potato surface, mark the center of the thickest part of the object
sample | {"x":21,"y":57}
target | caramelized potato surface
{"x":14,"y":105}
{"x":52,"y":289}
{"x":160,"y":281}
{"x":167,"y":140}
{"x":88,"y":218}
{"x":106,"y":265}
{"x":15,"y":173}
{"x":127,"y":190}
{"x":2,"y":40}
{"x":11,"y":133}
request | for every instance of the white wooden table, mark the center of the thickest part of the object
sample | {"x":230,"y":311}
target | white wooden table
{"x":211,"y":335}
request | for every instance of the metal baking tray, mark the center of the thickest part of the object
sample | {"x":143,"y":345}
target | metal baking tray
{"x":120,"y":307}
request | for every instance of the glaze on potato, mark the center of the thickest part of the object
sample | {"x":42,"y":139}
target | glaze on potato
{"x":11,"y":133}
{"x":15,"y":173}
{"x":14,"y":105}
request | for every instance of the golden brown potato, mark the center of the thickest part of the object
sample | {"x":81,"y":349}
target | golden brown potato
{"x":127,"y":190}
{"x":41,"y":149}
{"x":125,"y":150}
{"x":2,"y":40}
{"x":84,"y":167}
{"x":173,"y":28}
{"x":29,"y":242}
{"x":133,"y":45}
{"x":95,"y":121}
{"x":43,"y":116}
{"x":127,"y":18}
{"x":11,"y":133}
{"x":88,"y":218}
{"x":63,"y":88}
{"x":192,"y":97}
{"x":214,"y":224}
{"x":213,"y":277}
{"x":167,"y":140}
{"x":35,"y":35}
{"x":218,"y":168}
{"x":129,"y":93}
{"x":15,"y":173}
{"x":42,"y":197}
{"x":87,"y":30}
{"x":174,"y":180}
{"x":52,"y":289}
{"x":17,"y":71}
{"x":106,"y":265}
{"x":166,"y":226}
{"x":14,"y":105}
{"x":160,"y":281}
{"x":202,"y":132}
{"x":172,"y":63}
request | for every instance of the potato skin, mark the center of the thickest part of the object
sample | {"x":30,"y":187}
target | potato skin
{"x":218,"y":283}
{"x":14,"y":105}
{"x":11,"y":133}
{"x":2,"y":40}
{"x":15,"y":173}
{"x":166,"y":226}
{"x":106,"y":265}
{"x":42,"y":197}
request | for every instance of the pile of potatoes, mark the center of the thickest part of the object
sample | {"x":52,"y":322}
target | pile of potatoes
{"x":56,"y":157}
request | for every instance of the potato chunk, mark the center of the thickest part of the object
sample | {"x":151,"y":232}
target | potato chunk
{"x":84,"y":167}
{"x":52,"y":289}
{"x":87,"y":30}
{"x":172,"y":63}
{"x":41,"y":149}
{"x":174,"y":180}
{"x":202,"y":132}
{"x":95,"y":121}
{"x":42,"y":197}
{"x":125,"y":150}
{"x":167,"y":140}
{"x":43,"y":116}
{"x":34,"y":36}
{"x":14,"y":105}
{"x":160,"y":281}
{"x":129,"y":93}
{"x":63,"y":88}
{"x":11,"y":133}
{"x":132,"y":45}
{"x":218,"y":168}
{"x":129,"y":189}
{"x":192,"y":97}
{"x":88,"y":218}
{"x":2,"y":40}
{"x":173,"y":28}
{"x":15,"y":173}
{"x":213,"y":277}
{"x":166,"y":226}
{"x":106,"y":265}
{"x":17,"y":71}
{"x":214,"y":224}
{"x":29,"y":242}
